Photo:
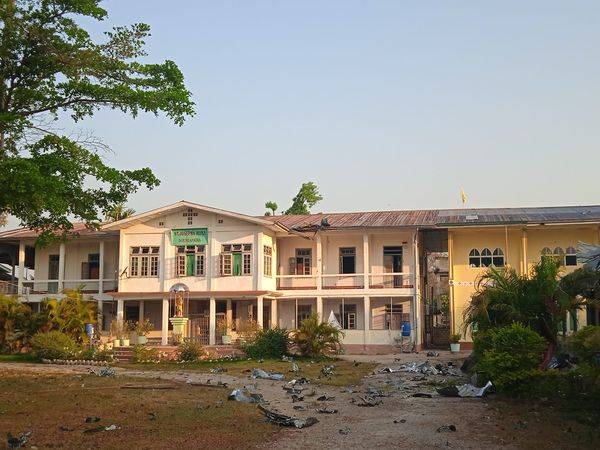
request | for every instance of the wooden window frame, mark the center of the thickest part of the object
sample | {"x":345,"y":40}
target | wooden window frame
{"x":144,"y":261}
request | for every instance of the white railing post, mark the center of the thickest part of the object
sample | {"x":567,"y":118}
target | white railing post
{"x":164,"y":332}
{"x":320,"y":309}
{"x":274,"y":319}
{"x":259,"y":311}
{"x":212,"y":321}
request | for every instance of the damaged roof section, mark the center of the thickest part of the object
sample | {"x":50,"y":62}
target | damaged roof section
{"x":431,"y":218}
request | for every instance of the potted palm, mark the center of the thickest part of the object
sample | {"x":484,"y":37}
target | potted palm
{"x":116,"y":332}
{"x":223,"y":329}
{"x":455,"y":343}
{"x":142,"y":329}
{"x":125,"y":339}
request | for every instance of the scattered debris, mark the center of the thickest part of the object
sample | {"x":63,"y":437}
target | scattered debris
{"x":218,"y":369}
{"x":299,"y":382}
{"x":400,"y":421}
{"x":94,"y":430}
{"x":422,"y":395}
{"x":104,"y":372}
{"x":299,"y":407}
{"x":92,"y":419}
{"x":207,"y":384}
{"x":259,"y":373}
{"x":324,"y":398}
{"x":17,"y":442}
{"x":294,"y":367}
{"x":446,"y":428}
{"x":468,"y":364}
{"x":243,"y":395}
{"x":327,"y":411}
{"x":369,"y":401}
{"x":328,"y":370}
{"x":64,"y":428}
{"x":424,"y":368}
{"x":432,"y":354}
{"x":112,"y":427}
{"x":344,"y":431}
{"x":374,"y":392}
{"x":152,"y":416}
{"x":287,"y":421}
{"x":465,"y":390}
{"x":297,"y":398}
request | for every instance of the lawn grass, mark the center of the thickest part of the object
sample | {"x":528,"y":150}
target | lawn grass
{"x":25,"y":357}
{"x":346,"y":373}
{"x":184,"y":417}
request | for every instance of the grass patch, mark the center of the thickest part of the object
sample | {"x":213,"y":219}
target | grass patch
{"x":25,"y":357}
{"x":186,"y":417}
{"x":346,"y":373}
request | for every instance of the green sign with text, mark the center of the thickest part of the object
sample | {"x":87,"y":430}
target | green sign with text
{"x":189,"y":236}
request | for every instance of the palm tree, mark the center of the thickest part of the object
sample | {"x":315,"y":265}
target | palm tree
{"x":316,"y":339}
{"x":70,"y":314}
{"x":540,"y":301}
{"x":118,"y":212}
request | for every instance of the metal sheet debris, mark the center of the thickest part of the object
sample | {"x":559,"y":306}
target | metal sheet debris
{"x":287,"y":421}
{"x":243,"y":395}
{"x":259,"y":373}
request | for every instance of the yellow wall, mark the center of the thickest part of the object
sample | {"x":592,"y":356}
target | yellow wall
{"x":516,"y":242}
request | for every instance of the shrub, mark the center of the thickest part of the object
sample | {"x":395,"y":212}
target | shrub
{"x":585,"y":343}
{"x":55,"y":345}
{"x":316,"y":339}
{"x":270,"y":343}
{"x":70,"y":314}
{"x":97,"y":354}
{"x":189,"y":351}
{"x":507,"y":355}
{"x":142,"y":354}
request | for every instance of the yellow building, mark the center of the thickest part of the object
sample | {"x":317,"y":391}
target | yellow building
{"x":481,"y":238}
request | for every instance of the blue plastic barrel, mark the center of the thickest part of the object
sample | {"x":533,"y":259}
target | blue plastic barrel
{"x":406,"y":329}
{"x":89,"y":329}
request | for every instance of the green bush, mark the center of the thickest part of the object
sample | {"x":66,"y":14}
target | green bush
{"x":55,"y":345}
{"x":270,"y":343}
{"x":189,"y":351}
{"x":97,"y":354}
{"x":507,"y":355}
{"x":316,"y":339}
{"x":585,"y":343}
{"x":142,"y":354}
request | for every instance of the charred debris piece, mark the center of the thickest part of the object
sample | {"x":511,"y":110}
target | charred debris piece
{"x":287,"y":421}
{"x":368,"y":401}
{"x":465,"y":390}
{"x":327,"y":411}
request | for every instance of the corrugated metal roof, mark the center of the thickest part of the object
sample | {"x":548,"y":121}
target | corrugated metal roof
{"x":445,"y":217}
{"x":79,"y":228}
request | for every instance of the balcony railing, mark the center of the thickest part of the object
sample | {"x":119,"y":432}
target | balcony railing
{"x":8,"y":287}
{"x":90,"y":286}
{"x":394,"y":280}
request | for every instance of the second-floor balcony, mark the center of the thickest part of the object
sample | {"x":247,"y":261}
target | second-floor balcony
{"x":55,"y":286}
{"x":393,"y":280}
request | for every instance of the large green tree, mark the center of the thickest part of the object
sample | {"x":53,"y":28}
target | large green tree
{"x":307,"y":197}
{"x":49,"y":64}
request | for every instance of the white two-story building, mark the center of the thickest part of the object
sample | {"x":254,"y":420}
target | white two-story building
{"x":235,"y":268}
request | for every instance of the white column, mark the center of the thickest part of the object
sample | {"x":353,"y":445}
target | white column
{"x":367,"y":319}
{"x":417,"y":297}
{"x":319,"y":271}
{"x":162,"y":267}
{"x":260,"y":310}
{"x":209,"y":260}
{"x":212,"y":322}
{"x":101,"y":268}
{"x":274,"y":319}
{"x":366,"y":262}
{"x":141,"y":311}
{"x":21,"y":267}
{"x":320,"y":309}
{"x":120,"y":311}
{"x":229,"y":314}
{"x":257,"y":266}
{"x":164,"y":334}
{"x":61,"y":266}
{"x":100,"y":306}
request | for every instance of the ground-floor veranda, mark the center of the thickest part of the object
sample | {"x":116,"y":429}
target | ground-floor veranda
{"x":373,"y":322}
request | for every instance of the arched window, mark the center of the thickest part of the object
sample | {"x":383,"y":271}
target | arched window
{"x":571,"y":256}
{"x":559,"y":255}
{"x":486,"y":257}
{"x":474,"y":258}
{"x":498,"y":258}
{"x":546,"y":251}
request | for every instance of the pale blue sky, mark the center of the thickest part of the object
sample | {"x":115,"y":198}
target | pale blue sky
{"x":384,"y":104}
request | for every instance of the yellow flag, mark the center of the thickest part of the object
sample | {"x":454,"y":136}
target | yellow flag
{"x":463,"y":196}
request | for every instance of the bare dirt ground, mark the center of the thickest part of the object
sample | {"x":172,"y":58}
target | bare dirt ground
{"x":400,"y":421}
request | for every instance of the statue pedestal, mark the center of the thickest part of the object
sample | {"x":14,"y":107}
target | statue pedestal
{"x":179,"y":324}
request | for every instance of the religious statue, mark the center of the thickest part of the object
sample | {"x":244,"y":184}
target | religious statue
{"x":179,"y":304}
